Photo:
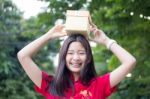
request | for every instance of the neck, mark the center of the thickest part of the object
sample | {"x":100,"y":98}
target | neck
{"x":76,"y":76}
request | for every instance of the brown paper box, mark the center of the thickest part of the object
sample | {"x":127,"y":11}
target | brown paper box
{"x":77,"y":22}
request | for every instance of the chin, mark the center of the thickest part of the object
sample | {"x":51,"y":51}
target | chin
{"x":76,"y":70}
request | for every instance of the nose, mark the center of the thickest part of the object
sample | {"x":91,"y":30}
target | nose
{"x":76,"y":56}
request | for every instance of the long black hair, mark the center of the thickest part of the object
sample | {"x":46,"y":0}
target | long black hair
{"x":61,"y":81}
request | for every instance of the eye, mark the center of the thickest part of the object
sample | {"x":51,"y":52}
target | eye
{"x":82,"y":53}
{"x":70,"y":53}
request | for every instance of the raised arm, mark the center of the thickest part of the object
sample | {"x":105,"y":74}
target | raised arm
{"x":127,"y":60}
{"x":25,"y":54}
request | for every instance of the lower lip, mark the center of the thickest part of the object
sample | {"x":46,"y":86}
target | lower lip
{"x":76,"y":66}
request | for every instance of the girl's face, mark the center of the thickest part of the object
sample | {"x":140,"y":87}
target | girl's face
{"x":76,"y":57}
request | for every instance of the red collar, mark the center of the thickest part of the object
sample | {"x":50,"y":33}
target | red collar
{"x":73,"y":79}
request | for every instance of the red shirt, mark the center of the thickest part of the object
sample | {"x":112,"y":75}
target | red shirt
{"x":98,"y":89}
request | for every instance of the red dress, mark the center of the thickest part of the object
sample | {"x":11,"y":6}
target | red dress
{"x":98,"y":89}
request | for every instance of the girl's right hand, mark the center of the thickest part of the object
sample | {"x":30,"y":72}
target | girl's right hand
{"x":57,"y":31}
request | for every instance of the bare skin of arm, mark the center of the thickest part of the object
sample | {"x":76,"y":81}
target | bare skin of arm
{"x":127,"y":60}
{"x":25,"y":54}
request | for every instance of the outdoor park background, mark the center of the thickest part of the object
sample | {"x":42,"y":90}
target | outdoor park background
{"x":127,"y":21}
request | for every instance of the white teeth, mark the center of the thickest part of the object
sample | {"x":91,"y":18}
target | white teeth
{"x":75,"y":65}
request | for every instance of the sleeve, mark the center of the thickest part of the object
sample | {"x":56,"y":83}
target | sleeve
{"x":44,"y":84}
{"x":105,"y":81}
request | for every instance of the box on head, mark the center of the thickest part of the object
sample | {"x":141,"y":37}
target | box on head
{"x":77,"y":21}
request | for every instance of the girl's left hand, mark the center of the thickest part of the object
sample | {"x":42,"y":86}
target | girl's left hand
{"x":98,"y":35}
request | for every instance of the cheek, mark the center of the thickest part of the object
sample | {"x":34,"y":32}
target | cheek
{"x":84,"y":58}
{"x":67,"y":59}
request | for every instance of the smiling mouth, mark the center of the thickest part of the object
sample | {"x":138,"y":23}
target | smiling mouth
{"x":76,"y":65}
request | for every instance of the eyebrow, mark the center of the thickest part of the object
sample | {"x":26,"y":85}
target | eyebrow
{"x":78,"y":50}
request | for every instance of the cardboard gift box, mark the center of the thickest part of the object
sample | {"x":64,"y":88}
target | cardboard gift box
{"x":77,"y":22}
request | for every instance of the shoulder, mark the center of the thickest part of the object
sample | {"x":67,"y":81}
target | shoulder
{"x":46,"y":76}
{"x":103,"y":78}
{"x":46,"y":79}
{"x":104,"y":83}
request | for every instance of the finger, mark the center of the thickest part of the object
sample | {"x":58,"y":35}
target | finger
{"x":60,"y":26}
{"x":97,"y":33}
{"x":63,"y":25}
{"x":93,"y":25}
{"x":90,"y":19}
{"x":93,"y":29}
{"x":64,"y":31}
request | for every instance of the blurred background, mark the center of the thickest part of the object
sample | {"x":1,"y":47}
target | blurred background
{"x":21,"y":21}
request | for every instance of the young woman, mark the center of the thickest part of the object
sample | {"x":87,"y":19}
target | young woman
{"x":75,"y":77}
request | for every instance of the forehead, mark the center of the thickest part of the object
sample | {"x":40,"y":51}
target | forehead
{"x":76,"y":45}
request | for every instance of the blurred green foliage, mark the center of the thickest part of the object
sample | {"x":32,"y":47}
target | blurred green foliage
{"x":127,"y":21}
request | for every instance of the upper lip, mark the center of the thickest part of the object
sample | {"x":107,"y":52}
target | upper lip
{"x":76,"y":63}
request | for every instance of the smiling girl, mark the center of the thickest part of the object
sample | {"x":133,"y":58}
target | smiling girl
{"x":75,"y":77}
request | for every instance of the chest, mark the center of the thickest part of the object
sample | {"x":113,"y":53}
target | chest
{"x":93,"y":91}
